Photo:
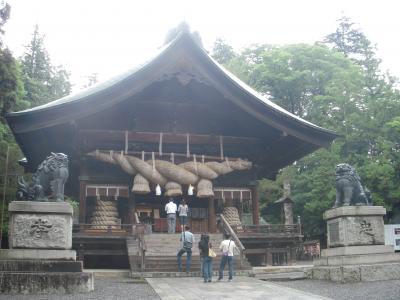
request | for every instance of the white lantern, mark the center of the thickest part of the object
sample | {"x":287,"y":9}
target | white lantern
{"x":158,"y":190}
{"x":190,"y":190}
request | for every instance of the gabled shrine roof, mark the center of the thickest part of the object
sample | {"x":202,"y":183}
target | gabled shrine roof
{"x":108,"y":93}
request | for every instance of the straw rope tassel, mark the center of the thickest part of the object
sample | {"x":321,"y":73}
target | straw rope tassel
{"x":172,"y":157}
{"x":143,"y":155}
{"x":202,"y":158}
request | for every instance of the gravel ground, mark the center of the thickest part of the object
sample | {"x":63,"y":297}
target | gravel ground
{"x":377,"y":290}
{"x":126,"y":288}
{"x":105,"y":289}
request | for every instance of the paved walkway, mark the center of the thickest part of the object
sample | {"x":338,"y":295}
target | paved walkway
{"x":240,"y":288}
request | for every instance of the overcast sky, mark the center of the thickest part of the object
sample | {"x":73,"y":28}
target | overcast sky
{"x":109,"y":37}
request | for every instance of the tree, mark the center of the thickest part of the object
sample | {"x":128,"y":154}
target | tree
{"x":11,"y":89}
{"x":340,"y":88}
{"x":11,"y":93}
{"x":222,"y":52}
{"x":42,"y":81}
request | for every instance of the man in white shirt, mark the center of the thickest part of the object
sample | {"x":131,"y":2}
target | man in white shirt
{"x":227,"y":247}
{"x":170,"y":209}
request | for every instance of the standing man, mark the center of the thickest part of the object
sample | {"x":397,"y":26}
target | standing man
{"x":227,"y":247}
{"x":170,"y":209}
{"x":187,"y":239}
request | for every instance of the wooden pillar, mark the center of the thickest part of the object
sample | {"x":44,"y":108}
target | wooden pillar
{"x":212,"y":219}
{"x":255,"y":200}
{"x":82,"y":202}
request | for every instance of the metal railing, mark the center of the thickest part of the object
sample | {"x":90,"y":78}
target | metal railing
{"x":227,"y":228}
{"x":142,"y":252}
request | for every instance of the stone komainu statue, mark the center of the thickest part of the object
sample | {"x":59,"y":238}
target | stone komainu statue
{"x":48,"y":180}
{"x":349,"y":190}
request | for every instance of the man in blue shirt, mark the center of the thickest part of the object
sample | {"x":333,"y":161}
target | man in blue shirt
{"x":187,"y":239}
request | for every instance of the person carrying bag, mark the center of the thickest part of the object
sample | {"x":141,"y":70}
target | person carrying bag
{"x":227,"y":247}
{"x":206,"y":254}
{"x":187,"y":239}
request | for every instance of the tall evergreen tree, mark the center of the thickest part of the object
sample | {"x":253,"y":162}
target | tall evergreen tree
{"x":11,"y":89}
{"x":42,"y":81}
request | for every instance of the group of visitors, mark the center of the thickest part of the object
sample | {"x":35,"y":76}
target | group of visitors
{"x":207,"y":253}
{"x":171,"y":209}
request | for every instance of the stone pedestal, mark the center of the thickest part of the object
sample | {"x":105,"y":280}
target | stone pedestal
{"x":40,"y":259}
{"x":355,"y":226}
{"x":40,"y":225}
{"x":356,"y":250}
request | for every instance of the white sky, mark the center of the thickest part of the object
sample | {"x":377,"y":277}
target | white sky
{"x":109,"y":37}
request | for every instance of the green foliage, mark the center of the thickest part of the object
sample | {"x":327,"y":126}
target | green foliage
{"x":222,"y":52}
{"x":43,"y":82}
{"x":339,"y":87}
{"x":11,"y":88}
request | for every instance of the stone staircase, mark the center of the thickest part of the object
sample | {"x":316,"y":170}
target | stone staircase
{"x":162,"y":249}
{"x":281,"y":273}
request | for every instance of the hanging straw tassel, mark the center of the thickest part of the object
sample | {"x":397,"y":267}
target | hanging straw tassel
{"x":140,"y":185}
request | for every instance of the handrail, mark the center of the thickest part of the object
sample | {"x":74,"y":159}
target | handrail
{"x":137,"y":221}
{"x":233,"y":234}
{"x":142,"y":252}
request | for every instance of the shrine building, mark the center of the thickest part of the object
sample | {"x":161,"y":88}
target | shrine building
{"x":179,"y":126}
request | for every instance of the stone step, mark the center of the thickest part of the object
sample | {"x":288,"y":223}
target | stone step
{"x":183,"y":274}
{"x":46,"y":283}
{"x":280,"y":269}
{"x":40,"y":266}
{"x":282,"y":276}
{"x":109,"y":272}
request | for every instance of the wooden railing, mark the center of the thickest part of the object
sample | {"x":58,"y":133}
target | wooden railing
{"x":228,"y":229}
{"x":270,"y":229}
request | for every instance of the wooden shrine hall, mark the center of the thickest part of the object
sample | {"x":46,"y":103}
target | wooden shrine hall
{"x":178,"y":126}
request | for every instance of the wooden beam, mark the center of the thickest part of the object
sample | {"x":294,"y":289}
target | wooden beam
{"x":168,"y":138}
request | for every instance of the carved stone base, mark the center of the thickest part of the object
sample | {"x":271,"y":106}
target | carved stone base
{"x":40,"y":225}
{"x":40,"y":260}
{"x":355,"y":247}
{"x":356,"y":273}
{"x":37,"y":254}
{"x":355,"y":226}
